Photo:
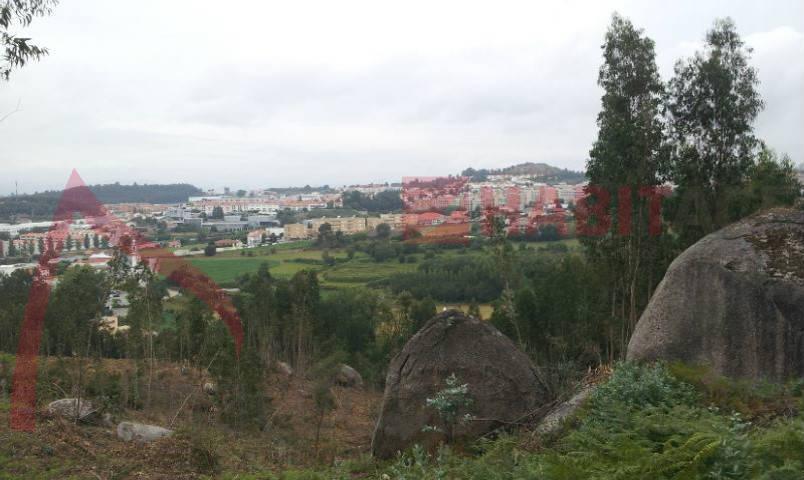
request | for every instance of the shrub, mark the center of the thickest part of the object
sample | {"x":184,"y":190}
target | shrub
{"x":754,"y":400}
{"x":637,"y":386}
{"x":449,"y":403}
{"x":106,"y":389}
{"x":203,"y":454}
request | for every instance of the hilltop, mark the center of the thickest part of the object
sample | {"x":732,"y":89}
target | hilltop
{"x":538,"y":171}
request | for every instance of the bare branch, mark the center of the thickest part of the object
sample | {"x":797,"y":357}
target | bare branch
{"x":19,"y":102}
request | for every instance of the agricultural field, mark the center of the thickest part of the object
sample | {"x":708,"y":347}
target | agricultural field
{"x":362,"y":270}
{"x":286,"y":259}
{"x":225,"y":267}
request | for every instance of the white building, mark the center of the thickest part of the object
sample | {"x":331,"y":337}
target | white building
{"x":15,"y":229}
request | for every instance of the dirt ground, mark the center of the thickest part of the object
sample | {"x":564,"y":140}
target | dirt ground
{"x":202,"y":445}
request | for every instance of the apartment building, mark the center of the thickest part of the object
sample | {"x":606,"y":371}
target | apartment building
{"x":296,"y":231}
{"x":347,"y":225}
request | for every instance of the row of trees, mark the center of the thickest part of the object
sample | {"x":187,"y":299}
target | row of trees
{"x":31,"y":247}
{"x":695,"y":131}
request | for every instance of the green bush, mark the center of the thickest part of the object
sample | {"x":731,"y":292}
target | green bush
{"x":203,"y":449}
{"x":635,"y":386}
{"x":106,"y":389}
{"x":755,"y":400}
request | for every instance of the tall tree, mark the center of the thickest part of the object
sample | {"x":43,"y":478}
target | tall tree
{"x":304,"y":308}
{"x":623,"y":168}
{"x":711,"y":107}
{"x":75,"y":309}
{"x":14,"y":291}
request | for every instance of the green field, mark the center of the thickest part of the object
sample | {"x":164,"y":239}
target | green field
{"x":284,"y":260}
{"x":361,"y":270}
{"x":227,"y":269}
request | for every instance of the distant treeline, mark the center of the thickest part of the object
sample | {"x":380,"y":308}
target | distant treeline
{"x":301,"y":190}
{"x":42,"y":205}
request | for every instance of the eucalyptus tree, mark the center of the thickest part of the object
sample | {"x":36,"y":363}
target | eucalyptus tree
{"x":711,"y":107}
{"x":18,"y":50}
{"x":623,"y":170}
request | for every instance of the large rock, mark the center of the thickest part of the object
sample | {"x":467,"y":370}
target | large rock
{"x":502,"y":382}
{"x":140,"y":432}
{"x":66,"y":407}
{"x":734,"y":302}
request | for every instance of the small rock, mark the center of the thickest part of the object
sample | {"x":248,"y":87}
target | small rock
{"x":66,"y":407}
{"x":209,"y":388}
{"x":108,"y":420}
{"x":552,"y":421}
{"x":140,"y":432}
{"x":349,"y":377}
{"x":284,"y":369}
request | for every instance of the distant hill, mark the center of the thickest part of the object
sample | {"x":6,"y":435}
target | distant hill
{"x":532,"y":169}
{"x":541,"y":172}
{"x":39,"y":206}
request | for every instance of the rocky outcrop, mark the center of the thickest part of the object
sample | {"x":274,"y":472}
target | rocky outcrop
{"x":140,"y":432}
{"x":734,"y":302}
{"x":503,"y":384}
{"x":348,"y":377}
{"x":66,"y":407}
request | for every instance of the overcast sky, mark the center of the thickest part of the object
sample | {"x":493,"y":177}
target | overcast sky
{"x":267,"y":93}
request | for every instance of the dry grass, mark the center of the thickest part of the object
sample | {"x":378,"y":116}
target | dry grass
{"x":60,"y":449}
